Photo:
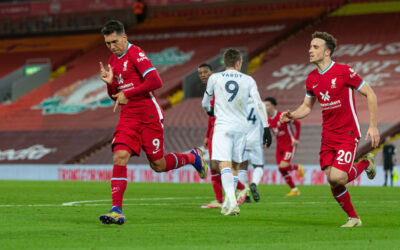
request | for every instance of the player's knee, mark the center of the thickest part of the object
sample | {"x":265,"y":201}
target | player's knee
{"x":336,"y":181}
{"x":214,"y":166}
{"x":121,"y":157}
{"x":157,"y":166}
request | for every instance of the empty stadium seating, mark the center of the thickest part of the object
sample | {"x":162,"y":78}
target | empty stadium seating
{"x":85,"y":134}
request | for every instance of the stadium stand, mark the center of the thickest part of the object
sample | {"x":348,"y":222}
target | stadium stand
{"x":174,"y":57}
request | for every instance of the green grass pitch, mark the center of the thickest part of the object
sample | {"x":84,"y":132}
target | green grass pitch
{"x":168,"y":216}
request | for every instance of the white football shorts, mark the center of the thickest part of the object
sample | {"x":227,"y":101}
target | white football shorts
{"x":255,"y":155}
{"x":228,"y":145}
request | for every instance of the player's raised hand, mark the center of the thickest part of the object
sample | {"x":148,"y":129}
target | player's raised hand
{"x":120,"y":99}
{"x":106,"y":75}
{"x":375,"y":137}
{"x":286,"y":117}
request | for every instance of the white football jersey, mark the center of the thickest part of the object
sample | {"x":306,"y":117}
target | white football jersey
{"x":232,"y":90}
{"x":255,"y":133}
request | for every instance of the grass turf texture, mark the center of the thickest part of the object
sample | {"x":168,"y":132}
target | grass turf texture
{"x":157,"y":221}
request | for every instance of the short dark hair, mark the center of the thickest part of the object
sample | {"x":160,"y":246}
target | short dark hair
{"x":231,"y":56}
{"x":113,"y":26}
{"x":206,"y":65}
{"x":328,"y":38}
{"x":271,"y":100}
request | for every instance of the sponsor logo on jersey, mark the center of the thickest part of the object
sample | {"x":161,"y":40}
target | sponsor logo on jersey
{"x":142,"y":57}
{"x":331,"y":105}
{"x":82,"y":95}
{"x":333,"y":82}
{"x":325,"y":96}
{"x":34,"y":152}
{"x":352,"y":73}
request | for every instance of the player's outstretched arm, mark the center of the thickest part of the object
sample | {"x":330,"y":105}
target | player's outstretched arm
{"x":302,"y":111}
{"x":373,"y":131}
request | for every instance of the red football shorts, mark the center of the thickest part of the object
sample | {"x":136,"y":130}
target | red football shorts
{"x":284,"y":154}
{"x":134,"y":135}
{"x":339,"y":154}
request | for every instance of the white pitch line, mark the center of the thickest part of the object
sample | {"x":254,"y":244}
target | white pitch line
{"x":136,"y":199}
{"x":191,"y":204}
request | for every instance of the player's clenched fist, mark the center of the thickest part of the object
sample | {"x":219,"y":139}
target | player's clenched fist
{"x":106,"y":75}
{"x":286,"y":117}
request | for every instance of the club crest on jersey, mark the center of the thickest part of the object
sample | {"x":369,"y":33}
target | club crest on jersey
{"x":125,"y":65}
{"x":333,"y":86}
{"x":119,"y":78}
{"x":325,"y":97}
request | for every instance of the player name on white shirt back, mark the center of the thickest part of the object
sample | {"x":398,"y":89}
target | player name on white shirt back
{"x":232,"y":90}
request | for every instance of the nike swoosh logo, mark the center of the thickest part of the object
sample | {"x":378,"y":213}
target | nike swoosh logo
{"x":314,"y":86}
{"x":155,"y":152}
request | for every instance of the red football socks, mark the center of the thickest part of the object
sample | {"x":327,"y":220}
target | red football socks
{"x":174,"y":160}
{"x":342,"y":196}
{"x":287,"y":178}
{"x":357,"y":169}
{"x":118,"y":184}
{"x":217,"y":186}
{"x":240,"y":186}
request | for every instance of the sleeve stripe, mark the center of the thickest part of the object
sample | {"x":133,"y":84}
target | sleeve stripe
{"x":361,"y":84}
{"x":309,"y":93}
{"x":147,"y":71}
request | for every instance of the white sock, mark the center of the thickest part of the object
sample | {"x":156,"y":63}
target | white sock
{"x":294,"y":189}
{"x":228,"y":184}
{"x":243,"y":178}
{"x":235,"y":181}
{"x":257,"y":175}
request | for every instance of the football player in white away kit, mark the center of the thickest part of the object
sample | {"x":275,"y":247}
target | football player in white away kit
{"x":253,"y":153}
{"x":232,"y":89}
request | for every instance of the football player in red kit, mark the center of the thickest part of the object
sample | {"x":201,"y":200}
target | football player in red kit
{"x":287,"y":138}
{"x":333,"y":84}
{"x":131,"y":79}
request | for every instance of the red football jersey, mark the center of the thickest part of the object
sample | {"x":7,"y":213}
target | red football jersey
{"x":333,"y":88}
{"x":211,"y":121}
{"x":129,"y":71}
{"x":285,"y":132}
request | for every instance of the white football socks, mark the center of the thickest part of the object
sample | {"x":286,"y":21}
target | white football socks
{"x":243,"y":178}
{"x":228,"y":184}
{"x":235,"y":181}
{"x":257,"y":175}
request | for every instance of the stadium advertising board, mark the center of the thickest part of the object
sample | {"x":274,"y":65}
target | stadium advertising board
{"x":143,"y":173}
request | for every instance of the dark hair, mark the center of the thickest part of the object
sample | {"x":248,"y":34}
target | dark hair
{"x":271,"y":100}
{"x":328,"y":38}
{"x":113,"y":26}
{"x":206,"y":65}
{"x":231,"y":56}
